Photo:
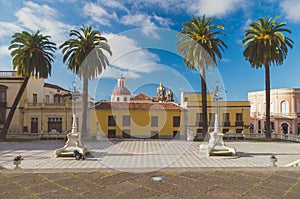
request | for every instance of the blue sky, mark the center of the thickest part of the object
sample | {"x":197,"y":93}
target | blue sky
{"x":142,"y":35}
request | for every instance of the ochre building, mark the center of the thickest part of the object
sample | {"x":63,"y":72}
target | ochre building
{"x":43,"y":107}
{"x":140,"y":116}
{"x":234,"y":116}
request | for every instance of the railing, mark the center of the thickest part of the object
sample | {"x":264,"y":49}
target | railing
{"x":38,"y":135}
{"x":282,"y":136}
{"x":8,"y":74}
{"x":290,"y":137}
{"x":48,"y":105}
{"x":239,"y":123}
{"x":284,"y":114}
{"x":199,"y":123}
{"x":55,"y":104}
{"x":296,"y":114}
{"x":226,"y":123}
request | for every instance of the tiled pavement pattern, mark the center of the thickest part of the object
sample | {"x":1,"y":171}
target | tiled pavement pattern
{"x":178,"y":183}
{"x":148,"y":155}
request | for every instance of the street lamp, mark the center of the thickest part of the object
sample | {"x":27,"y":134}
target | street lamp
{"x":216,"y":99}
{"x":74,"y":141}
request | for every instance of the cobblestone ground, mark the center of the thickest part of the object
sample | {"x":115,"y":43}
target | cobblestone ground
{"x":270,"y":184}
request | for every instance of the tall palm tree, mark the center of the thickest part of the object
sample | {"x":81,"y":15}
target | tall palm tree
{"x":32,"y":56}
{"x":201,"y":47}
{"x":265,"y":44}
{"x":84,"y":56}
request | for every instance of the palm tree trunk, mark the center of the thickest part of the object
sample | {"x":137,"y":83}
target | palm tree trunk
{"x":13,"y":108}
{"x":85,"y":108}
{"x":204,"y":101}
{"x":268,"y":123}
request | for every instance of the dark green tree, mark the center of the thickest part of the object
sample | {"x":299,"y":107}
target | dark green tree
{"x":83,"y":53}
{"x":32,"y":56}
{"x":200,"y":46}
{"x":265,"y":44}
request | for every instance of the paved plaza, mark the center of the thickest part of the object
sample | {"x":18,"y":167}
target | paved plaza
{"x":148,"y":155}
{"x":125,"y":169}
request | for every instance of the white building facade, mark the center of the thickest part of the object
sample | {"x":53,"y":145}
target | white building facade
{"x":284,"y":109}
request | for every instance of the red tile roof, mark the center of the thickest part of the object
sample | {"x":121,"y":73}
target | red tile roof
{"x":141,"y":96}
{"x":54,"y":87}
{"x":138,"y":105}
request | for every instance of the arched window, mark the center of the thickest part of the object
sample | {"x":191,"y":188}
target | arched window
{"x":284,"y":107}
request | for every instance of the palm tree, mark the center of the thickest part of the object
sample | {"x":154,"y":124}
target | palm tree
{"x":32,"y":56}
{"x":265,"y":44}
{"x":200,"y":48}
{"x":84,"y":56}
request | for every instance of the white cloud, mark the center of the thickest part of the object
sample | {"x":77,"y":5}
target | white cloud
{"x":114,"y":73}
{"x":101,"y":13}
{"x":114,"y":4}
{"x":226,"y":60}
{"x":194,"y":7}
{"x":247,"y":24}
{"x":213,"y":7}
{"x":290,"y":9}
{"x":144,"y":21}
{"x":4,"y":51}
{"x":128,"y":58}
{"x":165,"y":22}
{"x":34,"y":16}
{"x":98,"y":14}
{"x":8,"y":29}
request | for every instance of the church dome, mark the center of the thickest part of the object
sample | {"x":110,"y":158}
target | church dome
{"x":121,"y":94}
{"x":121,"y":91}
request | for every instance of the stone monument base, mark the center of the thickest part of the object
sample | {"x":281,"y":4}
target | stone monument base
{"x":222,"y":151}
{"x":71,"y":145}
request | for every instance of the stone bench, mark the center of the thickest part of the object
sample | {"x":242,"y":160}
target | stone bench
{"x":234,"y":136}
{"x":23,"y":135}
{"x":55,"y":136}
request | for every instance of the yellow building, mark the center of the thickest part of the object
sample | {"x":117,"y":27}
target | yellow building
{"x":47,"y":108}
{"x":141,"y":117}
{"x":234,"y":116}
{"x":43,"y":107}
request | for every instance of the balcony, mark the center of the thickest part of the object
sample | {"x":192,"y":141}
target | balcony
{"x":226,"y":123}
{"x":67,"y":104}
{"x":239,"y":123}
{"x":199,"y":123}
{"x":8,"y":74}
{"x":286,"y":115}
{"x":211,"y":123}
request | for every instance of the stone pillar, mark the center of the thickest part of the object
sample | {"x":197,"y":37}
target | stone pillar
{"x":294,"y":127}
